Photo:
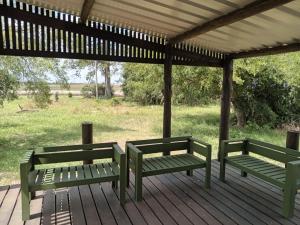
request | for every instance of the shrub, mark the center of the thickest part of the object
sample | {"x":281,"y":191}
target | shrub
{"x":89,"y":91}
{"x":70,"y":95}
{"x":262,"y":97}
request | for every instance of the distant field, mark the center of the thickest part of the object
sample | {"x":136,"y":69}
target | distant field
{"x":60,"y":124}
{"x":75,"y":89}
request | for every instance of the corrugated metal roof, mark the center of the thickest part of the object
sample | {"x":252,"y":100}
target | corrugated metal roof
{"x":171,"y":17}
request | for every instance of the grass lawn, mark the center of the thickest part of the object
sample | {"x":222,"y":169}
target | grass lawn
{"x":61,"y":124}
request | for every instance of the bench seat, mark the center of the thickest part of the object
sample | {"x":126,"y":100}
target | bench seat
{"x":36,"y":176}
{"x":58,"y":177}
{"x":171,"y":163}
{"x":256,"y":158}
{"x":262,"y":169}
{"x":142,"y":163}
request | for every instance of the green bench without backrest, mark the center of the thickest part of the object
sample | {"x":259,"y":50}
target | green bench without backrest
{"x":287,"y":178}
{"x":147,"y":166}
{"x":33,"y":179}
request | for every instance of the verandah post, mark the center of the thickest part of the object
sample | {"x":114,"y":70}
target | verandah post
{"x":87,"y":137}
{"x":292,"y":139}
{"x":167,"y":94}
{"x":225,"y":101}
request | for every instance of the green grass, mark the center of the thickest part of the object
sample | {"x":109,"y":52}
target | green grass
{"x":60,"y":124}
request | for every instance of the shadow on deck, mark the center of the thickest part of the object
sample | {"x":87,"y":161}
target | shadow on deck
{"x":167,"y":199}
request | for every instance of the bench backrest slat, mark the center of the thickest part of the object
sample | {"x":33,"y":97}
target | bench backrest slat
{"x":267,"y":152}
{"x":70,"y":156}
{"x":78,"y":147}
{"x":271,"y":151}
{"x":163,"y":147}
{"x":159,"y":140}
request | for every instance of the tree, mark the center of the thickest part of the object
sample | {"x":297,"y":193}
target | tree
{"x":34,"y":74}
{"x":264,"y":91}
{"x":191,"y":85}
{"x":92,"y":67}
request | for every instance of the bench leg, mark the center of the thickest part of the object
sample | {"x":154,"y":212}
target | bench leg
{"x":243,"y":174}
{"x":122,"y":190}
{"x":288,"y":202}
{"x":114,"y":184}
{"x":138,"y":188}
{"x":207,"y":175}
{"x":25,"y":199}
{"x":189,"y":173}
{"x":222,"y":170}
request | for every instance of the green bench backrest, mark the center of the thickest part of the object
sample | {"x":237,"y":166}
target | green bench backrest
{"x":162,"y":145}
{"x":274,"y":152}
{"x":72,"y":153}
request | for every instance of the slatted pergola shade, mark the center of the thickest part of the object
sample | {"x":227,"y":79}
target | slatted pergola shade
{"x":179,"y":32}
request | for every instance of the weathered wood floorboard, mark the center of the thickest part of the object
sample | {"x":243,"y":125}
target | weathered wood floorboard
{"x":167,"y":199}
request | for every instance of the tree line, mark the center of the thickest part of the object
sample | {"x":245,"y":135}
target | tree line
{"x":266,"y":90}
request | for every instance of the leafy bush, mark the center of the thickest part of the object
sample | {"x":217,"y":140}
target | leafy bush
{"x":40,"y":92}
{"x":70,"y":95}
{"x":191,"y":85}
{"x":262,"y":97}
{"x":89,"y":91}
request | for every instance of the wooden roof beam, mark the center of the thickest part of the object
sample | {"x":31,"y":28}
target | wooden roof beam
{"x":267,"y":51}
{"x":86,"y":9}
{"x":249,"y":10}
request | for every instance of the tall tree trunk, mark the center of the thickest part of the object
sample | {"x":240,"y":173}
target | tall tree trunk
{"x":96,"y":79}
{"x":108,"y":89}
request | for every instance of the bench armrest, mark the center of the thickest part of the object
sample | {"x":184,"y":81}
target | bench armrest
{"x":200,"y":147}
{"x":132,"y":151}
{"x":119,"y":154}
{"x":26,"y":165}
{"x":234,"y":145}
{"x":294,"y":167}
{"x":26,"y":162}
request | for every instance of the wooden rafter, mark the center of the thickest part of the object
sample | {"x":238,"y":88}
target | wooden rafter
{"x":267,"y":51}
{"x":249,"y":10}
{"x":85,"y":10}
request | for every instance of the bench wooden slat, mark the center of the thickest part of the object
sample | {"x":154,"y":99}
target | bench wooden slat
{"x":65,"y":174}
{"x":94,"y":171}
{"x":261,"y":172}
{"x":108,"y":169}
{"x":174,"y":163}
{"x":115,"y":168}
{"x":73,"y":173}
{"x":57,"y":175}
{"x":101,"y":170}
{"x":40,"y":177}
{"x":80,"y":173}
{"x":87,"y":171}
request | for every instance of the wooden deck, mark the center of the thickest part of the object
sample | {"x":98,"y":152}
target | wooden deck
{"x":168,"y":199}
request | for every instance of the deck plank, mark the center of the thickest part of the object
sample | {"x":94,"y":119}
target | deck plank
{"x":8,"y":205}
{"x":167,"y":199}
{"x":36,"y":209}
{"x":89,"y":208}
{"x":48,"y":211}
{"x":3,"y":191}
{"x":76,"y":209}
{"x":62,"y":211}
{"x":103,"y":208}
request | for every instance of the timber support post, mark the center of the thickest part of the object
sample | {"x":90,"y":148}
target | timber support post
{"x":225,"y":101}
{"x":87,"y":137}
{"x":292,"y":139}
{"x":167,"y":93}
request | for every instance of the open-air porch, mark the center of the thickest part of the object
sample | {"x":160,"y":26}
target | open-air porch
{"x":168,"y":199}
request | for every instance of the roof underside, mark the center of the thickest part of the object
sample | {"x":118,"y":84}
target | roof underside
{"x":277,"y":26}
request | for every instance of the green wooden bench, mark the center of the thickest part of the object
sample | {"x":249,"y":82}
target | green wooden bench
{"x":34,"y":179}
{"x":147,"y":166}
{"x":285,"y":177}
